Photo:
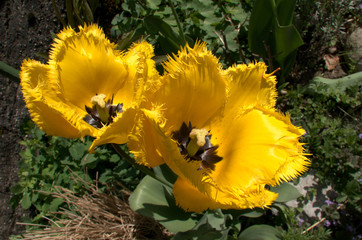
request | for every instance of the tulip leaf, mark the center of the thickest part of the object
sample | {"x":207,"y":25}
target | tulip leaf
{"x":9,"y":71}
{"x":286,"y":191}
{"x":255,"y":213}
{"x":272,"y":34}
{"x":260,"y":232}
{"x":341,"y":83}
{"x":155,"y":200}
{"x":210,"y":226}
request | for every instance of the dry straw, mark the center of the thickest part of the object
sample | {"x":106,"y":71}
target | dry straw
{"x":96,"y":215}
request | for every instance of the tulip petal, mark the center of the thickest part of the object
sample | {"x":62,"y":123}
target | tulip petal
{"x":250,"y":86}
{"x":45,"y":108}
{"x":118,"y":131}
{"x":259,"y":147}
{"x":191,"y":199}
{"x":193,"y":88}
{"x":145,"y":139}
{"x":85,"y":63}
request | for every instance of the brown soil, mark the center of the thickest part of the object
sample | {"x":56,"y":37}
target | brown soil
{"x":24,"y":31}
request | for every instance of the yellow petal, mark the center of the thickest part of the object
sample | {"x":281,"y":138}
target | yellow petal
{"x":193,"y":89}
{"x":258,"y":147}
{"x":85,"y":63}
{"x":146,"y":138}
{"x":191,"y":199}
{"x":250,"y":86}
{"x":118,"y":131}
{"x":45,"y":108}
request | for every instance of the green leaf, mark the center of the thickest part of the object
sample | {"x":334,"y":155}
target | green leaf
{"x":155,"y":24}
{"x":54,"y":205}
{"x":77,"y":151}
{"x":210,"y":226}
{"x":260,"y":232}
{"x":25,"y":201}
{"x":9,"y":71}
{"x":258,"y":212}
{"x":16,"y":189}
{"x":341,"y":83}
{"x":155,"y":200}
{"x":286,"y":191}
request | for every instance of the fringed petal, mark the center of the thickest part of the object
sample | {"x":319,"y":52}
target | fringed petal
{"x":146,"y":138}
{"x":118,"y":131}
{"x":46,"y":109}
{"x":250,"y":86}
{"x":258,"y":147}
{"x":193,"y":89}
{"x":191,"y":199}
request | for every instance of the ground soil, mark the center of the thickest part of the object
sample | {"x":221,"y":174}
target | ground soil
{"x":25,"y":30}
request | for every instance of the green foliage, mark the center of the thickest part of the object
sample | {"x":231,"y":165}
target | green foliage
{"x":48,"y":161}
{"x":295,"y":229}
{"x":272,"y":34}
{"x":330,"y":114}
{"x":222,"y":24}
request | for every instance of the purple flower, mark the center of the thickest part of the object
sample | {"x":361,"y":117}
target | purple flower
{"x":360,"y":135}
{"x":328,"y":202}
{"x":301,"y":221}
{"x":327,"y":223}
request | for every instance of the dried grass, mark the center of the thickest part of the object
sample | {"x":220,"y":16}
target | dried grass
{"x":96,"y":215}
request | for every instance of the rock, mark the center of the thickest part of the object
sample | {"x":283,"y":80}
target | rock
{"x":355,"y":48}
{"x":313,"y":201}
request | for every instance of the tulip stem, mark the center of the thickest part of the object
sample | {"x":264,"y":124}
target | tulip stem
{"x":143,"y":169}
{"x":182,"y":35}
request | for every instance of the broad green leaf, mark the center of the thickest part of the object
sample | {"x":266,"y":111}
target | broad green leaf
{"x":341,"y":83}
{"x":260,"y":232}
{"x":25,"y":201}
{"x":254,"y":213}
{"x":77,"y":151}
{"x":210,"y":226}
{"x":286,"y":191}
{"x":155,"y":200}
{"x":287,"y":40}
{"x":260,"y":24}
{"x":285,"y":10}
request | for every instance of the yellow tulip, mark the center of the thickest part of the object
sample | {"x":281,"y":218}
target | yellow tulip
{"x":88,"y":87}
{"x":219,"y":131}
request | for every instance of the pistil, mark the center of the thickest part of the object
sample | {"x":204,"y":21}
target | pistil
{"x":100,"y":103}
{"x":197,"y":137}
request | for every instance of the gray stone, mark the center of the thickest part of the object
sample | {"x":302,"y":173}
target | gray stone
{"x":355,"y":48}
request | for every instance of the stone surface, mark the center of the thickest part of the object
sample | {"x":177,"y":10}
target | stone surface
{"x":355,"y":48}
{"x":24,"y":31}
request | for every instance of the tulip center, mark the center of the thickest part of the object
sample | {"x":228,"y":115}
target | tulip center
{"x":102,"y":112}
{"x":195,"y":145}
